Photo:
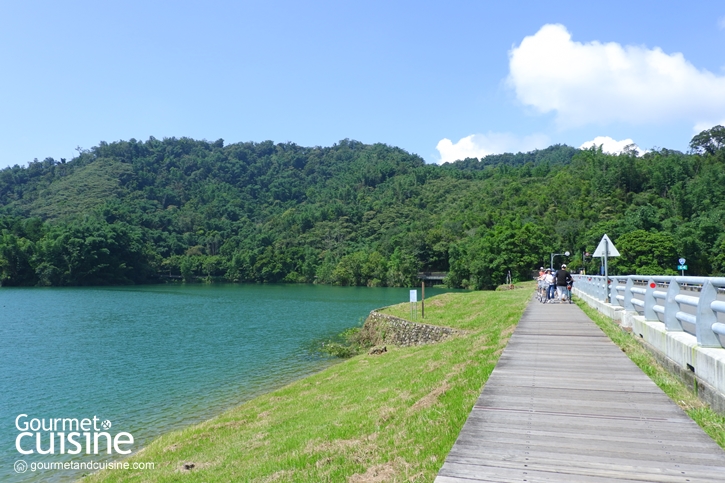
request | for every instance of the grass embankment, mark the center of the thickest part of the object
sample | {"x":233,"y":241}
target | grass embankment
{"x":391,"y":417}
{"x":710,"y":421}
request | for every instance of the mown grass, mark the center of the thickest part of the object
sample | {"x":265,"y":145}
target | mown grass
{"x":459,"y":312}
{"x":710,"y":421}
{"x":391,"y":417}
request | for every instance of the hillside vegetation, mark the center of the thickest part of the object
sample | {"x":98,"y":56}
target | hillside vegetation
{"x":353,"y":214}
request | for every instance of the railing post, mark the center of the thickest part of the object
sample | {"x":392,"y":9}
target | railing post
{"x":628,"y":305}
{"x":600,"y":289}
{"x":613,"y":292}
{"x":600,"y":292}
{"x":650,"y":301}
{"x":672,"y":307}
{"x":706,"y":317}
{"x":596,"y":292}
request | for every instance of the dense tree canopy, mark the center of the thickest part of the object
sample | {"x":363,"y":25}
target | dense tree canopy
{"x":353,"y":214}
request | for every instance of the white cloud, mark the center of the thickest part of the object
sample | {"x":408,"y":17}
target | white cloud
{"x":480,"y":145}
{"x":585,"y":83}
{"x":612,"y":146}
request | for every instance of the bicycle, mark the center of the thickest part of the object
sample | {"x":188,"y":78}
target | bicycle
{"x":568,"y":293}
{"x":564,"y":296}
{"x":542,"y":292}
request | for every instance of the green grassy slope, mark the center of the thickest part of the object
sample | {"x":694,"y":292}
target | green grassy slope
{"x":391,"y":417}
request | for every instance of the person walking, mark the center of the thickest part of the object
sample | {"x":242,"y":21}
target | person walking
{"x":551,"y":282}
{"x":563,"y":279}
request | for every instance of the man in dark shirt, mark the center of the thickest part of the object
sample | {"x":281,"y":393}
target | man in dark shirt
{"x":563,"y":278}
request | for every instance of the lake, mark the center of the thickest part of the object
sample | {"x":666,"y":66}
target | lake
{"x":151,"y":359}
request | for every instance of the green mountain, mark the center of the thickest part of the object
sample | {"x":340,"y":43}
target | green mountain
{"x":353,"y":214}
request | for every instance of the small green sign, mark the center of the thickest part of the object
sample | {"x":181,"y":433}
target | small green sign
{"x":681,"y":267}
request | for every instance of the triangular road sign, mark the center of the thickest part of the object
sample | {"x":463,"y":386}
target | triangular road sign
{"x":611,"y":252}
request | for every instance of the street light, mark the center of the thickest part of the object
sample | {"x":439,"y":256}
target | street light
{"x":566,"y":254}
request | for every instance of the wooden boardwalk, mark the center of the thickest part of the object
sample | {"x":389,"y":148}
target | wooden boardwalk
{"x":566,"y":404}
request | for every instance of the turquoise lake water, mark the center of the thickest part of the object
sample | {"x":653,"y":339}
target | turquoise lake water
{"x":156,"y":358}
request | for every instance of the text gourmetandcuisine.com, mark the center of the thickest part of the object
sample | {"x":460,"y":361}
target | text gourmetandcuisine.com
{"x":90,"y":465}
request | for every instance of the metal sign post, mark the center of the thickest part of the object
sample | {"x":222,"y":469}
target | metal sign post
{"x":422,"y":299}
{"x":606,"y":269}
{"x":606,"y":249}
{"x":682,"y":267}
{"x":413,"y":304}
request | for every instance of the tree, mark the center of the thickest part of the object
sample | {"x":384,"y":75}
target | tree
{"x":15,"y":256}
{"x":509,"y":246}
{"x":402,"y":269}
{"x":645,"y":253}
{"x":92,"y":252}
{"x":709,"y":141}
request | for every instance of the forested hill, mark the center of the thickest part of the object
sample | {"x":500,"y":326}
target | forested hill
{"x":352,"y":214}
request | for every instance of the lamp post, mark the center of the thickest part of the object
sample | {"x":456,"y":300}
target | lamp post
{"x":566,"y":254}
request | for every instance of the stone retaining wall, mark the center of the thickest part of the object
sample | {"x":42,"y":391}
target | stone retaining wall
{"x":388,"y":329}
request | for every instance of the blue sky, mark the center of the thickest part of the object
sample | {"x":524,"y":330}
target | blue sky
{"x":439,"y":79}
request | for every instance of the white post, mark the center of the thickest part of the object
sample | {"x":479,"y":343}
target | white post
{"x":706,"y":317}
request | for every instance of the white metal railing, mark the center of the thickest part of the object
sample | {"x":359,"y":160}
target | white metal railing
{"x":695,"y":305}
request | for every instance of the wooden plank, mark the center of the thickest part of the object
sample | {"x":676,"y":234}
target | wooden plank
{"x":503,"y":470}
{"x":504,"y":455}
{"x":584,"y":451}
{"x":551,"y":436}
{"x":566,"y":404}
